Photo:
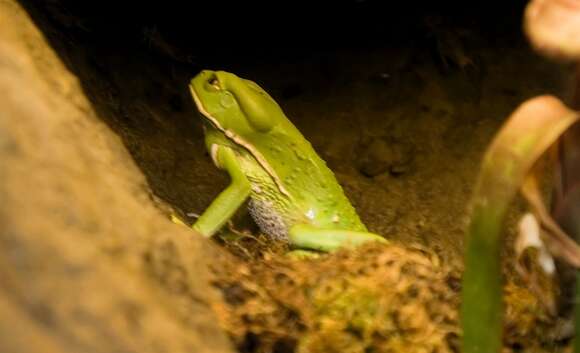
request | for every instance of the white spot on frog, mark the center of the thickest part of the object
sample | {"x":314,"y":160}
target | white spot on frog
{"x":256,"y":188}
{"x":310,"y":214}
{"x":335,"y":218}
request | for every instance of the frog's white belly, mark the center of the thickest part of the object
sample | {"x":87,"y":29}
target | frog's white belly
{"x":268,"y":218}
{"x":270,"y":208}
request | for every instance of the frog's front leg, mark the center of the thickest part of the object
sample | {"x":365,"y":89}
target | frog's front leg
{"x":224,"y":206}
{"x":307,"y":236}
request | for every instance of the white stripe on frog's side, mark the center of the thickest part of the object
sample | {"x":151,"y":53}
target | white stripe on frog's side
{"x":213,"y":153}
{"x":238,"y":140}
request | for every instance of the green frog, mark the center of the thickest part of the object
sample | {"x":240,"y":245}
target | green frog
{"x":293,"y":195}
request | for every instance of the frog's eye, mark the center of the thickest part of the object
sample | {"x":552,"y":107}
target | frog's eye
{"x":214,"y":83}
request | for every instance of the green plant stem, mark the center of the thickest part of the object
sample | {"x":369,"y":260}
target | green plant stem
{"x":531,"y":129}
{"x":482,"y":305}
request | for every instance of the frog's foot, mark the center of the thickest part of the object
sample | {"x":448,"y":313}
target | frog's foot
{"x":300,"y":254}
{"x":177,"y":220}
{"x":306,"y":236}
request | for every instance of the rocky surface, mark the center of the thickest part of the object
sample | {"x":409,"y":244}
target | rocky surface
{"x":87,"y":262}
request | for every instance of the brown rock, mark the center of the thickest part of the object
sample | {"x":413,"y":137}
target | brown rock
{"x":87,"y":262}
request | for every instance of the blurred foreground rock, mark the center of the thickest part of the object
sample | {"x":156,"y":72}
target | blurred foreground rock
{"x":87,"y":262}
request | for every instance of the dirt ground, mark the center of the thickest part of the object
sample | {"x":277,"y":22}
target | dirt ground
{"x":403,"y":126}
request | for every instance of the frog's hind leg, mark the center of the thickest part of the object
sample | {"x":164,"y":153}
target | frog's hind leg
{"x":306,"y":236}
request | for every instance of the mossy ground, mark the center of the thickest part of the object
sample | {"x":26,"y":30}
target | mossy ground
{"x":378,"y":298}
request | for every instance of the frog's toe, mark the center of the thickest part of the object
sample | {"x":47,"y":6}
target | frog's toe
{"x":300,"y":254}
{"x":310,"y":237}
{"x":175,"y":219}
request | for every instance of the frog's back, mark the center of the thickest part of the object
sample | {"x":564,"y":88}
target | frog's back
{"x":312,"y":187}
{"x":307,"y":197}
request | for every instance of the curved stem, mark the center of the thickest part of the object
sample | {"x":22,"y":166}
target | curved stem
{"x":531,"y":129}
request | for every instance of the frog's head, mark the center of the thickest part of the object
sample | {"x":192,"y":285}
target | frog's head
{"x":234,"y":104}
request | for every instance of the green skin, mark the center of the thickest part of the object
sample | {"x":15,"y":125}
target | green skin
{"x":293,"y":195}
